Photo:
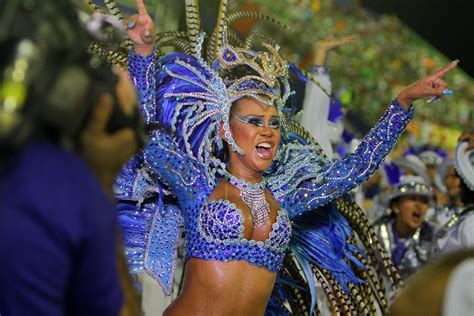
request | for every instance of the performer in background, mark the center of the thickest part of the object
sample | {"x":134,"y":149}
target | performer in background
{"x":459,"y":230}
{"x":404,"y":231}
{"x":315,"y":114}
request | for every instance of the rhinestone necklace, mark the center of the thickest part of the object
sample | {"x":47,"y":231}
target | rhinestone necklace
{"x":253,"y":195}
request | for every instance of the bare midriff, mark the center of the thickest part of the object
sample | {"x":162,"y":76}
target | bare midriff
{"x":223,"y":288}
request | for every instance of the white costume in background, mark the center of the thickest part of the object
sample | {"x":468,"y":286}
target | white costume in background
{"x":314,"y":116}
{"x":462,"y":235}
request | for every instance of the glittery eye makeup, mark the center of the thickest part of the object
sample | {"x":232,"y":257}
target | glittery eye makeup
{"x":273,"y":122}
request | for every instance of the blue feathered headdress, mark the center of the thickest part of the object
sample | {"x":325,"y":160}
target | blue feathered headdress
{"x":192,"y":97}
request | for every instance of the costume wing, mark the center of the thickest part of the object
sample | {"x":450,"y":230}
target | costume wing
{"x":150,"y":220}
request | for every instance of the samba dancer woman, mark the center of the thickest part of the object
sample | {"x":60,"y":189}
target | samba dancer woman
{"x":216,"y":144}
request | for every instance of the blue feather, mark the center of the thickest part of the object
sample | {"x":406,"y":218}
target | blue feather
{"x":393,"y":173}
{"x":321,"y":237}
{"x":304,"y":263}
{"x":297,"y":72}
{"x":335,"y":110}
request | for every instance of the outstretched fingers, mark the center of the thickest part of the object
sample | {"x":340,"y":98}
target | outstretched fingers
{"x":331,"y":42}
{"x":443,"y":71}
{"x":350,"y":39}
{"x":141,"y":7}
{"x":437,"y":86}
{"x":342,"y":41}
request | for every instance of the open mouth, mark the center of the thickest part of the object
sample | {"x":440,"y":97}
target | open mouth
{"x":416,"y":216}
{"x":264,"y":150}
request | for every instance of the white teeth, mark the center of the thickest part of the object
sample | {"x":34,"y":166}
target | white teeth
{"x":264,"y":145}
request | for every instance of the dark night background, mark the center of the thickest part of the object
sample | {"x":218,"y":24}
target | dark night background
{"x":447,"y":25}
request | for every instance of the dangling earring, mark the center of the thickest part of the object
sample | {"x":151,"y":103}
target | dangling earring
{"x":219,"y":143}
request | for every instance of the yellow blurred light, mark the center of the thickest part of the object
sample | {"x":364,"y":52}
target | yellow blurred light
{"x":10,"y":104}
{"x":18,"y":75}
{"x":316,"y":5}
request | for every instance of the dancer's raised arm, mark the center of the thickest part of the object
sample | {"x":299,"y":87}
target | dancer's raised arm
{"x":334,"y":179}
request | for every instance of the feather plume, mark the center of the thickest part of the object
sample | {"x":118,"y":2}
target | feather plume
{"x":393,"y":173}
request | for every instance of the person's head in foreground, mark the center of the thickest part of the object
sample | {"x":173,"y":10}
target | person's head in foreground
{"x":443,"y":287}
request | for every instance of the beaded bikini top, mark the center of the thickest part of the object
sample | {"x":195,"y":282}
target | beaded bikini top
{"x":219,"y":235}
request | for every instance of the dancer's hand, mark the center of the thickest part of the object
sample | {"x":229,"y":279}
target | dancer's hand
{"x":322,"y":47}
{"x":141,"y":30}
{"x":430,"y":86}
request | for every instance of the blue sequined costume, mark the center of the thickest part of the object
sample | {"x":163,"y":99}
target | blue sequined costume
{"x":164,"y":186}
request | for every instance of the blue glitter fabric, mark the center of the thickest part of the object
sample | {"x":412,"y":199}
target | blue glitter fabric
{"x":171,"y":166}
{"x":303,"y":181}
{"x":151,"y":222}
